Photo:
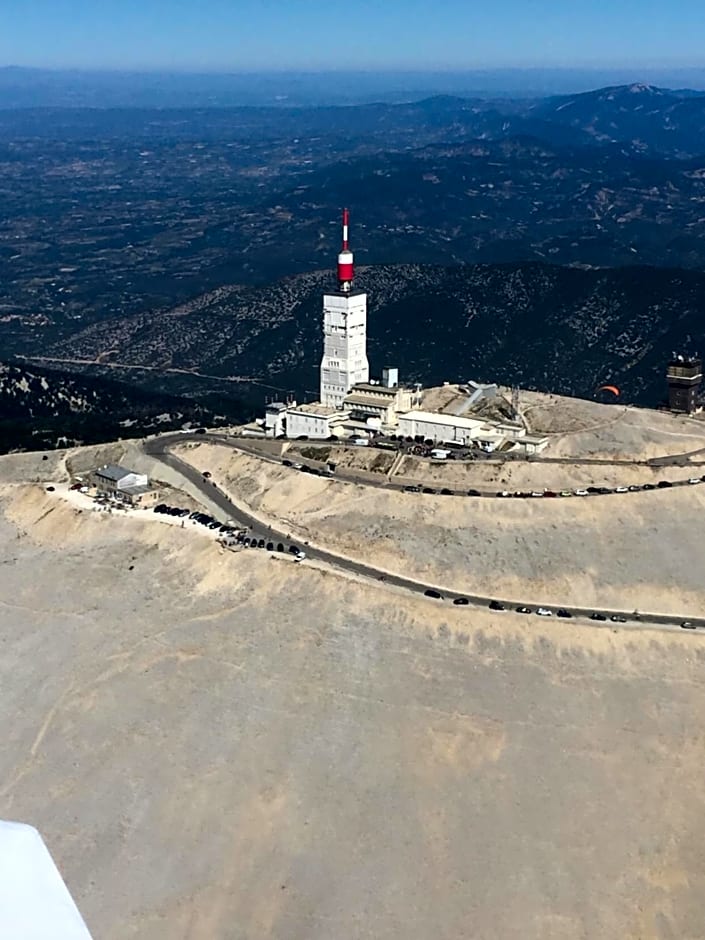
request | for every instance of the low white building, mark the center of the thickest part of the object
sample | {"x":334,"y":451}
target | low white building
{"x":113,"y":478}
{"x":531,"y":444}
{"x":312,"y":420}
{"x":275,"y":419}
{"x":439,"y":427}
{"x":371,"y":400}
{"x":124,"y":484}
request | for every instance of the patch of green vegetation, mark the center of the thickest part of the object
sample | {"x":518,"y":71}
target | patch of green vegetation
{"x":315,"y":453}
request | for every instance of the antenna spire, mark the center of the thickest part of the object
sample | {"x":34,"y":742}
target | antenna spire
{"x":346,"y":270}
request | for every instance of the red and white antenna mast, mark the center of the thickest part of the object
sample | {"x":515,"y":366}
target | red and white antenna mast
{"x":345,"y":258}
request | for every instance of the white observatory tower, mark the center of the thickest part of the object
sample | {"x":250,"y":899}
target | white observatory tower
{"x":344,"y":362}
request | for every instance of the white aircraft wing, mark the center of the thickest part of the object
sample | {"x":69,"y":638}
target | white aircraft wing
{"x":35,"y":904}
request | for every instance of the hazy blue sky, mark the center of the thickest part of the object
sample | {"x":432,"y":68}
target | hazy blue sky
{"x":314,"y":34}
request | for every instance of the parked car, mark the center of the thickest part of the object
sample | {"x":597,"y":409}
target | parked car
{"x":544,"y":612}
{"x":687,"y":625}
{"x":622,"y":489}
{"x":446,"y":492}
{"x":428,"y":489}
{"x":280,"y":547}
{"x":299,"y":556}
{"x":663,"y":484}
{"x":523,"y":610}
{"x":596,"y":616}
{"x":496,"y":605}
{"x":581,"y":492}
{"x":649,"y":486}
{"x":461,"y":601}
{"x":694,"y":480}
{"x":429,"y":592}
{"x":615,"y":618}
{"x":474,"y":493}
{"x":270,"y":546}
{"x":566,"y":614}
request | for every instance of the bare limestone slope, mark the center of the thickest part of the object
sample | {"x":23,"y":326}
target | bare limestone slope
{"x":222,"y":745}
{"x":637,"y":551}
{"x":218,"y":745}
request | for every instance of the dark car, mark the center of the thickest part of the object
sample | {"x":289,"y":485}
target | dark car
{"x":496,"y":605}
{"x":287,"y":463}
{"x":596,"y":616}
{"x":214,"y":525}
{"x":564,"y":613}
{"x":523,"y":610}
{"x":412,"y":489}
{"x":662,"y":484}
{"x":549,"y":493}
{"x":615,"y":618}
{"x":270,"y":546}
{"x":593,"y":489}
{"x":474,"y":493}
{"x":446,"y":492}
{"x":200,"y":431}
{"x":246,"y":542}
{"x":427,"y":489}
{"x":429,"y":592}
{"x":261,"y":543}
{"x":649,"y":486}
{"x":51,"y":488}
{"x":461,"y":601}
{"x":687,"y":625}
{"x":294,"y":549}
{"x":280,"y":547}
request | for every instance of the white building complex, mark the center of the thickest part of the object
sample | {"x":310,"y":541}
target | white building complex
{"x":352,"y":405}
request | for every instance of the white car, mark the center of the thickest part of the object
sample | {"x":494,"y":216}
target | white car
{"x":622,"y":489}
{"x":544,"y":612}
{"x":581,"y":492}
{"x":694,"y":480}
{"x":536,"y":493}
{"x":299,"y":556}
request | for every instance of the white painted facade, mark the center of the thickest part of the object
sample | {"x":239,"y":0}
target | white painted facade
{"x":132,"y":479}
{"x":438,"y":427}
{"x":344,"y":362}
{"x":311,"y":420}
{"x":275,"y":419}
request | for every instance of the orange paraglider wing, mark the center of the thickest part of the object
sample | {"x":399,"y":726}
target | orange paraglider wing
{"x":609,"y":388}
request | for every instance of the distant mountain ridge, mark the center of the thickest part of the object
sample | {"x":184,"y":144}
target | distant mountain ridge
{"x":654,"y":120}
{"x":557,"y":329}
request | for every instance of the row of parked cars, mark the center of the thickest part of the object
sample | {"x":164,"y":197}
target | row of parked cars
{"x":587,"y":491}
{"x":547,"y":612}
{"x":229,"y":532}
{"x":304,"y":468}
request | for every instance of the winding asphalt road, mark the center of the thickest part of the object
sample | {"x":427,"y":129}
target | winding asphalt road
{"x":159,"y":449}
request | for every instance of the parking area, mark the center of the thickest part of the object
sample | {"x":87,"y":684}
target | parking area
{"x":229,"y":534}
